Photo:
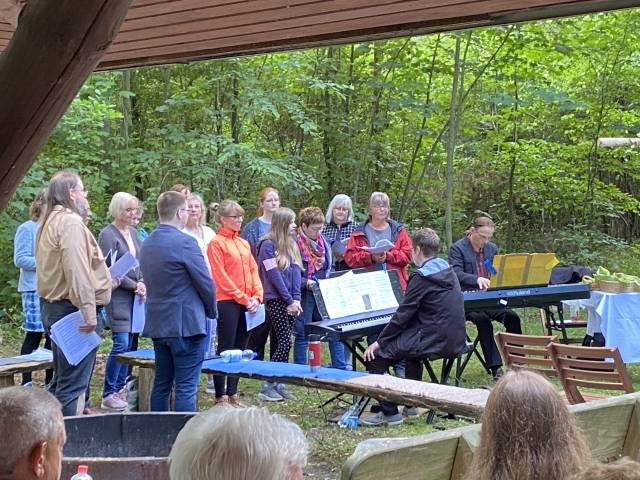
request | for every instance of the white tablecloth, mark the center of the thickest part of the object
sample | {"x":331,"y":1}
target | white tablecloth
{"x":617,"y":316}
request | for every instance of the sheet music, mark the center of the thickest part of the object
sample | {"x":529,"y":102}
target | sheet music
{"x":124,"y":264}
{"x":351,"y":294}
{"x":74,"y":344}
{"x":255,"y":319}
{"x":138,"y":316}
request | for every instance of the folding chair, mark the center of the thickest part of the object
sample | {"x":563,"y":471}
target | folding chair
{"x":526,"y":351}
{"x":589,"y":367}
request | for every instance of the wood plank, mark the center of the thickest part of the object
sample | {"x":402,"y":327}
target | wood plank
{"x":467,"y":445}
{"x":631,"y":446}
{"x":55,"y":48}
{"x":146,"y":377}
{"x":6,"y":380}
{"x":25,"y":367}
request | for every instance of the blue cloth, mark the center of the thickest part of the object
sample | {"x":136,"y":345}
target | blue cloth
{"x":180,"y":291}
{"x":115,"y":373}
{"x":24,"y":255}
{"x":277,"y":284}
{"x":31,"y":311}
{"x":267,"y":369}
{"x":253,"y":232}
{"x":178,"y":366}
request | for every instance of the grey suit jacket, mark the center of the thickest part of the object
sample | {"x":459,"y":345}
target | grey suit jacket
{"x":180,"y":292}
{"x":120,"y":308}
{"x":463,"y":260}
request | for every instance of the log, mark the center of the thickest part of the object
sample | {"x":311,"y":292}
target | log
{"x":618,"y":142}
{"x":54,"y":49}
{"x":10,"y":11}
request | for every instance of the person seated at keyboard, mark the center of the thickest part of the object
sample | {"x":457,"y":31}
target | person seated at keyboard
{"x":428,"y":324}
{"x":471,"y":258}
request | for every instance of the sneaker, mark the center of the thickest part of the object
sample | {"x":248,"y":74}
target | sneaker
{"x":210,"y":387}
{"x":87,"y":411}
{"x":122,"y":394}
{"x":234,"y":401}
{"x":114,"y":402}
{"x":496,"y":373}
{"x":222,"y":401}
{"x":28,"y":384}
{"x":377,"y":419}
{"x":410,"y":412}
{"x":284,"y":393}
{"x":268,"y":393}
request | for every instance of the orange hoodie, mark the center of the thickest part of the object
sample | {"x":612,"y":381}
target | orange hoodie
{"x":233,"y":268}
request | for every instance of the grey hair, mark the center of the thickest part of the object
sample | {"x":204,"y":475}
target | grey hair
{"x":338,"y":201}
{"x":119,"y":202}
{"x":28,"y":416}
{"x":238,"y":444}
{"x":195,"y":196}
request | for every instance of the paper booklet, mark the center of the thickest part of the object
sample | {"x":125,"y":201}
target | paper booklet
{"x":339,"y":246}
{"x":381,"y":246}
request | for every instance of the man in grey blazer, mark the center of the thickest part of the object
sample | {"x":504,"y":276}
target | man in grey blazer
{"x":180,"y":297}
{"x":469,"y":257}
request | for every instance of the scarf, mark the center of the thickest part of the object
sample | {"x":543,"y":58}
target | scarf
{"x":312,"y":252}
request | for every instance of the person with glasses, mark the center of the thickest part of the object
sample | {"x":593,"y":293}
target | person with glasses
{"x":377,"y":228}
{"x":239,"y":290}
{"x":115,"y":240}
{"x":339,"y":227}
{"x":316,"y":255}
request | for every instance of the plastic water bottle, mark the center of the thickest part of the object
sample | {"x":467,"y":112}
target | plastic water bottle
{"x":82,"y":473}
{"x":231,"y":356}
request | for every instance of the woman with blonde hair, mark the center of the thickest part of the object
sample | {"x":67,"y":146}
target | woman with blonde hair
{"x":268,"y":203}
{"x":281,"y":274}
{"x":527,"y":433}
{"x":238,"y":289}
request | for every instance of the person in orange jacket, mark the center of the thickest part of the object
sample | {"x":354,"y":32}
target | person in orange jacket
{"x":238,"y":289}
{"x":379,"y":229}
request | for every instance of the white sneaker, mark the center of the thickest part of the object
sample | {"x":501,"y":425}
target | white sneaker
{"x":210,"y":387}
{"x":114,"y":402}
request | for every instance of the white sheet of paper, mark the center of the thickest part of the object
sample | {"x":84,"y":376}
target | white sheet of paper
{"x":124,"y":264}
{"x":138,"y":316}
{"x":381,"y":246}
{"x":74,"y":344}
{"x":255,"y":319}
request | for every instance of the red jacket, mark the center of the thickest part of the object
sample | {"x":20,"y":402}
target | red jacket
{"x":397,"y":258}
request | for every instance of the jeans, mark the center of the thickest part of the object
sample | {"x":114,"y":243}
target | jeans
{"x":310,"y":314}
{"x":178,"y":365}
{"x":69,"y":381}
{"x":32,"y":342}
{"x":115,"y":373}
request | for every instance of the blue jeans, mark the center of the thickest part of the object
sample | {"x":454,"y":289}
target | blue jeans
{"x":115,"y":373}
{"x":300,"y":344}
{"x":178,"y":365}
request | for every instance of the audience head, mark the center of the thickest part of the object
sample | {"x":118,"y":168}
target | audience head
{"x":268,"y":201}
{"x":426,"y":244}
{"x":379,"y":206}
{"x":197,"y":212}
{"x":31,"y":434}
{"x":481,"y":232}
{"x":123,"y":208}
{"x":527,"y":432}
{"x":311,"y":221}
{"x":340,"y":209}
{"x":622,"y":469}
{"x":228,"y":214}
{"x":66,"y":190}
{"x":239,"y":444}
{"x":37,"y":205}
{"x":172,"y":209}
{"x":181,"y":188}
{"x":283,"y":224}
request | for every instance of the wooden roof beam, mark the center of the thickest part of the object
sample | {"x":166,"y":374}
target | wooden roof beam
{"x":56,"y":46}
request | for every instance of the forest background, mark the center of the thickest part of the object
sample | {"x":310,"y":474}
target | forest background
{"x":500,"y":120}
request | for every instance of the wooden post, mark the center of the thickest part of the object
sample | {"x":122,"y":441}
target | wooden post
{"x":54,"y":49}
{"x":146,"y":375}
{"x":6,"y":380}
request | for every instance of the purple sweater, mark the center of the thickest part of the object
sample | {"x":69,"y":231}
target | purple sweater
{"x":277,"y":284}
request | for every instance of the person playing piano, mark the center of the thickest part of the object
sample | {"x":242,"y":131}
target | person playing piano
{"x":428,"y":324}
{"x":471,"y":258}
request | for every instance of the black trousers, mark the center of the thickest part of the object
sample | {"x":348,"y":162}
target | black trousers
{"x":32,"y":342}
{"x":258,"y":338}
{"x":482,"y":321}
{"x":380,"y":365}
{"x":232,"y":333}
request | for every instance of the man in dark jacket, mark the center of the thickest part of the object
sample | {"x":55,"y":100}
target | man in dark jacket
{"x":428,"y":324}
{"x":469,"y":257}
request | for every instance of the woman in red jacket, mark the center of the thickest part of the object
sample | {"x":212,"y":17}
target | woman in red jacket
{"x":379,"y":229}
{"x":238,"y":289}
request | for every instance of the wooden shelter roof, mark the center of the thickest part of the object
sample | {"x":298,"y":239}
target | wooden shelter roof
{"x":167,"y":31}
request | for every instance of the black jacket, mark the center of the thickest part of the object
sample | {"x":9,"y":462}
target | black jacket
{"x":429,"y":322}
{"x":462,"y":258}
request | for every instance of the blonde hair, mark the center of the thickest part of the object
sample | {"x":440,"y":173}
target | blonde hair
{"x":622,"y":469}
{"x":119,"y":202}
{"x":262,"y":197}
{"x":279,"y":234}
{"x":527,"y":433}
{"x":226,"y":208}
{"x":198,"y":198}
{"x":238,"y":444}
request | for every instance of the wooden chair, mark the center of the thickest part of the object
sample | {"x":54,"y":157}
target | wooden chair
{"x":526,"y":351}
{"x":589,"y":367}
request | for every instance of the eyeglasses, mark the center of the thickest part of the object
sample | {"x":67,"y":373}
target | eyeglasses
{"x":235,"y":217}
{"x":132,"y":210}
{"x":380,"y":207}
{"x":315,"y":228}
{"x":341,"y":209}
{"x":188,"y":210}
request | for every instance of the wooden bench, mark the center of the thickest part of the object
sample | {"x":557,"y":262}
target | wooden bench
{"x":611,"y":425}
{"x":455,"y":400}
{"x":7,"y":372}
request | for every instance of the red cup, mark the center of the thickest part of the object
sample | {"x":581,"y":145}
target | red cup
{"x":314,"y":355}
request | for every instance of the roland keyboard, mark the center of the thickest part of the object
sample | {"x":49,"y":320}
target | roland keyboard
{"x":348,"y":330}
